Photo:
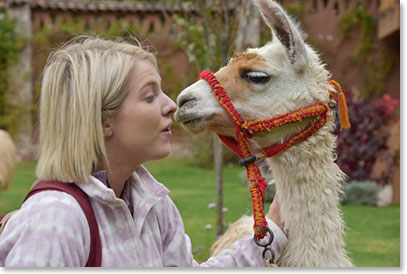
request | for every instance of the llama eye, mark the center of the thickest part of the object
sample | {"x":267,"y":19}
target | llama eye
{"x":256,"y":77}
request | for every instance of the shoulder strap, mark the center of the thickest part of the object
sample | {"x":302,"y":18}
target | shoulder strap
{"x":95,"y":253}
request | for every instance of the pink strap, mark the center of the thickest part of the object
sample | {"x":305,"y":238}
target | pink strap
{"x":95,"y":254}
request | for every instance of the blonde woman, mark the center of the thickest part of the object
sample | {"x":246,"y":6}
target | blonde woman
{"x":103,"y":114}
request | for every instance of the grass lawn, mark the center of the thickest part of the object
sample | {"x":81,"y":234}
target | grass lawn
{"x":372,"y":236}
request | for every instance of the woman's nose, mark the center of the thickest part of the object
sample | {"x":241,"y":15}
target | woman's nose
{"x":170,"y":106}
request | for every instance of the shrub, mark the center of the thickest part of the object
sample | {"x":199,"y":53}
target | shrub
{"x":10,"y":49}
{"x":360,"y":193}
{"x":359,"y":146}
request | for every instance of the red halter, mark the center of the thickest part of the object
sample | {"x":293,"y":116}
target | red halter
{"x":245,"y":130}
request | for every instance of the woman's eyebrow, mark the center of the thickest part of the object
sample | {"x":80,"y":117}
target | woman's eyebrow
{"x":152,"y":84}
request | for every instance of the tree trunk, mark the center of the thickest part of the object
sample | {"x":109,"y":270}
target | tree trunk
{"x":23,"y":87}
{"x":218,"y":161}
{"x":248,"y":33}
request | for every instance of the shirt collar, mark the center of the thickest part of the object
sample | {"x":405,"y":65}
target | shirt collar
{"x":141,"y":184}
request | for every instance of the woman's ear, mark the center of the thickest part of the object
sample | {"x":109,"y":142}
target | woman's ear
{"x":107,"y":127}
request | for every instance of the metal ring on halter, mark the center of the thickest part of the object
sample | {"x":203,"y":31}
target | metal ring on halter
{"x":268,"y":259}
{"x":268,"y":242}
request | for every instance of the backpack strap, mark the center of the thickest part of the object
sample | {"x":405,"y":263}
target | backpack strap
{"x":95,"y":253}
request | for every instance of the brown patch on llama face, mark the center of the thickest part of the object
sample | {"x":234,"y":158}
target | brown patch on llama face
{"x":221,"y":124}
{"x":230,"y":76}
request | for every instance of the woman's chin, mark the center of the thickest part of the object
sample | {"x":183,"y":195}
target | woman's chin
{"x":164,"y":152}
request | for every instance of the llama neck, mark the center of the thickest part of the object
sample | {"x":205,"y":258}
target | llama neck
{"x":308,"y":183}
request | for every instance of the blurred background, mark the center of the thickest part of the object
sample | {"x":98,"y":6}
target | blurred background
{"x":359,"y":41}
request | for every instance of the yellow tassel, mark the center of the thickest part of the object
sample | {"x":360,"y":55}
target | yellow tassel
{"x":342,"y":107}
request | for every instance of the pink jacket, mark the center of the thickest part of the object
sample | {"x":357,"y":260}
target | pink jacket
{"x":51,"y":229}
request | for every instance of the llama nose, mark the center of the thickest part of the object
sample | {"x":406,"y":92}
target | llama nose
{"x":186,"y":102}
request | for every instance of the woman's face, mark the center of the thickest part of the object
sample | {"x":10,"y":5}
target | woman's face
{"x":141,"y":129}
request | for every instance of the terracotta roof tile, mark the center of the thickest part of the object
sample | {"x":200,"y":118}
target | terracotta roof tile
{"x":89,"y":6}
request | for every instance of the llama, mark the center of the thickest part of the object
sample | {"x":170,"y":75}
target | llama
{"x":284,"y":75}
{"x":242,"y":228}
{"x":7,"y":160}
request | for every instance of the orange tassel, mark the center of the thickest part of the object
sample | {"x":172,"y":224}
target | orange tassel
{"x":342,"y":107}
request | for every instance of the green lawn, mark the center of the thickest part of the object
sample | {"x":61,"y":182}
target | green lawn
{"x":372,"y":235}
{"x":23,"y":178}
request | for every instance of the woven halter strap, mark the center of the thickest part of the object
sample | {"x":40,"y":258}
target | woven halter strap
{"x":245,"y":130}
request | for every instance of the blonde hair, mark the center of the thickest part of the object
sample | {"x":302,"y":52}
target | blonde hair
{"x":84,"y":82}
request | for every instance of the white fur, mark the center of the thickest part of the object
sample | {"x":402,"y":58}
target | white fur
{"x":307,"y":178}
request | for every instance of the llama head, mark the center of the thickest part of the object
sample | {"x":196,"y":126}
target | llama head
{"x":280,"y":77}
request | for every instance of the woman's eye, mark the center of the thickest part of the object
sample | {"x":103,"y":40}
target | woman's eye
{"x":151,"y":98}
{"x":256,"y":77}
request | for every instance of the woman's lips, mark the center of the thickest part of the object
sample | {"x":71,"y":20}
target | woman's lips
{"x":167,"y":131}
{"x":167,"y":128}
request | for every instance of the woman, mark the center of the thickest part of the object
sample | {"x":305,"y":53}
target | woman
{"x":103,"y":114}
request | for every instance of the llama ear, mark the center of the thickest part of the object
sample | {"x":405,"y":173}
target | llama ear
{"x":286,"y":31}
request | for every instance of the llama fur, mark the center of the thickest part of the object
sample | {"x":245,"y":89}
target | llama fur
{"x":8,"y":159}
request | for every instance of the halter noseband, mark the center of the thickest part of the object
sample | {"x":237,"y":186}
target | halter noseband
{"x":245,"y":130}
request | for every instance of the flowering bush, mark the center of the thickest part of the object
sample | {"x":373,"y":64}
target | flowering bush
{"x":359,"y":146}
